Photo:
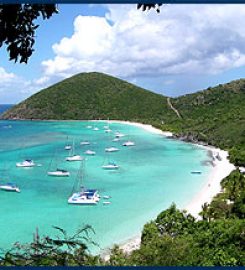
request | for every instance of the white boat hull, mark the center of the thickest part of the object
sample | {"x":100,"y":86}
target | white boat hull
{"x":106,"y":202}
{"x":110,"y":167}
{"x":111,"y":149}
{"x":21,"y":164}
{"x":119,"y":135}
{"x":129,"y":143}
{"x":74,"y":158}
{"x":9,"y":188}
{"x":90,"y":153}
{"x":85,"y":143}
{"x":59,"y":174}
{"x":83,"y":200}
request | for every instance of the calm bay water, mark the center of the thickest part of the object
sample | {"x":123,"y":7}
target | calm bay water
{"x":153,"y":174}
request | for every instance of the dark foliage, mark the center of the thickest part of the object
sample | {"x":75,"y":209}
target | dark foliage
{"x":17,"y":27}
{"x":187,"y":242}
{"x":64,"y":250}
{"x":145,"y":7}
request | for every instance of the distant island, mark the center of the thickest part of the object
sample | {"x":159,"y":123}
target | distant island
{"x":214,"y":116}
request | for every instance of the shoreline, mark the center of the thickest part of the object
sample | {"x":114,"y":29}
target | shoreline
{"x":221,"y":169}
{"x":146,"y":127}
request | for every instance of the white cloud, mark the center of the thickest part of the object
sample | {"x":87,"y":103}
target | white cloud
{"x":5,"y":77}
{"x":14,"y":88}
{"x":131,"y":43}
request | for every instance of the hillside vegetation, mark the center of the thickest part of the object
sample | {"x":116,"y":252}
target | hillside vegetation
{"x":175,"y":238}
{"x":92,"y":96}
{"x":215,"y":116}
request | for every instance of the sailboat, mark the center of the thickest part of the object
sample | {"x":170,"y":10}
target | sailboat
{"x":67,"y":146}
{"x":10,"y":187}
{"x":90,"y":152}
{"x":110,"y":166}
{"x":26,"y":163}
{"x":83,"y":196}
{"x":58,"y":172}
{"x":111,"y":149}
{"x":72,"y":156}
{"x":85,"y":143}
{"x":129,"y":143}
{"x":119,"y":134}
{"x":107,"y":127}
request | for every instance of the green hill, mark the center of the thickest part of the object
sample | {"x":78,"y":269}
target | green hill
{"x":215,"y":115}
{"x":92,"y":96}
{"x":219,"y":111}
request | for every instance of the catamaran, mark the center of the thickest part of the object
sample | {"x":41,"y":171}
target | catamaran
{"x":9,"y":187}
{"x":26,"y":163}
{"x":83,"y":196}
{"x":111,"y":149}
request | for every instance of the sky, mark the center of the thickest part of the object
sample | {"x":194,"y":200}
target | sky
{"x":183,"y":49}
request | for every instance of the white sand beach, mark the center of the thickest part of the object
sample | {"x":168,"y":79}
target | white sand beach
{"x":149,"y":128}
{"x":220,"y":170}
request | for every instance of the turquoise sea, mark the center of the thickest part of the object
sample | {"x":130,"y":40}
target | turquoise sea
{"x":153,"y":174}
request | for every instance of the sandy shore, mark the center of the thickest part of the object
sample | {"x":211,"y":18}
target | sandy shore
{"x":145,"y":127}
{"x":220,"y":170}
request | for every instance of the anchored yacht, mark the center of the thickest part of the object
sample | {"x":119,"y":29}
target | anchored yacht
{"x":90,"y":152}
{"x":129,"y":143}
{"x":59,"y":173}
{"x":26,"y":163}
{"x":10,"y":187}
{"x":110,"y":166}
{"x":111,"y":149}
